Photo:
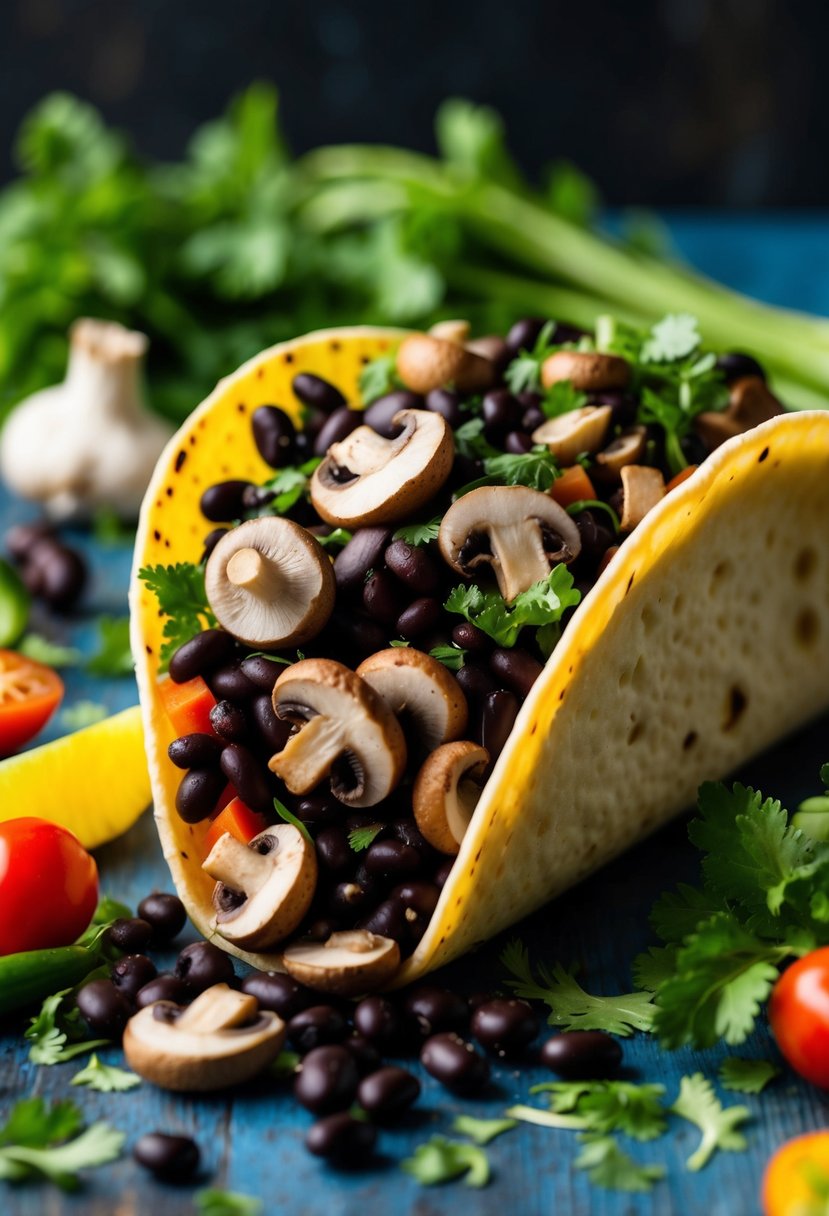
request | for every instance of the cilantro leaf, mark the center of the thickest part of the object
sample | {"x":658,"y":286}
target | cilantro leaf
{"x":361,"y":838}
{"x":37,"y":1140}
{"x":34,"y":1124}
{"x":471,"y":442}
{"x":339,"y":537}
{"x":482,"y":1130}
{"x":213,"y":1202}
{"x":610,"y":1167}
{"x":285,"y":1065}
{"x":57,"y":1034}
{"x":106,"y":1078}
{"x":524,"y":372}
{"x":441,"y":1160}
{"x":42,"y":650}
{"x":561,"y":398}
{"x":399,"y":642}
{"x":419,"y":534}
{"x":452,"y":657}
{"x":698,"y":1103}
{"x":542,"y":604}
{"x":289,"y":485}
{"x":609,"y":1106}
{"x":289,"y":817}
{"x":378,"y":377}
{"x":182,"y":599}
{"x":114,"y":654}
{"x":747,"y":1076}
{"x":653,"y":967}
{"x":674,"y":337}
{"x":537,"y":469}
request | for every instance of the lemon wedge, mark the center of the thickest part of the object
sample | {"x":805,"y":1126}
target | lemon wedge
{"x":94,"y":782}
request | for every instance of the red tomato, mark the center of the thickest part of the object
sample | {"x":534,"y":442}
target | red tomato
{"x":29,"y":695}
{"x":48,"y":886}
{"x":188,"y":705}
{"x":799,"y":1016}
{"x":793,"y":1177}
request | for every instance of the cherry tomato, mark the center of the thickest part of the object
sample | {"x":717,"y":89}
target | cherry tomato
{"x":799,"y":1016}
{"x":29,"y":694}
{"x":188,"y":705}
{"x":48,"y":886}
{"x":795,"y":1176}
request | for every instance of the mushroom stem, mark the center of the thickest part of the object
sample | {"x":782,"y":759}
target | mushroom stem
{"x":519,"y":559}
{"x":248,"y":568}
{"x":219,"y":1008}
{"x":237,"y":866}
{"x":308,"y":755}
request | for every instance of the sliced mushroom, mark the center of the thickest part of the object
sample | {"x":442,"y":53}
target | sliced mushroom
{"x":451,"y":331}
{"x":750,"y":402}
{"x":627,"y":448}
{"x":577,"y":431}
{"x":346,"y":732}
{"x":642,"y":489}
{"x":270,"y":583}
{"x":715,"y":428}
{"x":347,"y":964}
{"x":446,"y":791}
{"x":221,"y":1039}
{"x":587,"y":371}
{"x":425,"y":362}
{"x":367,"y":479}
{"x":420,"y":690}
{"x":264,"y":888}
{"x":490,"y":346}
{"x":520,"y":533}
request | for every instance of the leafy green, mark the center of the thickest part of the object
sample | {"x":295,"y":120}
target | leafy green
{"x":674,"y":337}
{"x":561,"y":398}
{"x":399,"y":642}
{"x":83,"y":714}
{"x":106,"y":1078}
{"x":537,"y":469}
{"x":608,"y":1166}
{"x":609,"y":1106}
{"x":471,"y":442}
{"x":285,"y":1065}
{"x":481,"y":1130}
{"x":595,"y":504}
{"x":441,"y":1160}
{"x":289,"y":817}
{"x":524,"y":372}
{"x":56,"y":1033}
{"x":378,"y":377}
{"x":360,"y":838}
{"x":289,"y":485}
{"x":213,"y":1202}
{"x":338,"y":538}
{"x":182,"y":599}
{"x":108,"y":528}
{"x":419,"y":534}
{"x":37,"y":1140}
{"x":542,"y":604}
{"x":698,"y":1103}
{"x":114,"y":656}
{"x":42,"y":650}
{"x":452,"y":657}
{"x":747,"y":1076}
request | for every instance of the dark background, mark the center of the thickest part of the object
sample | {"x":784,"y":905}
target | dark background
{"x":690,"y":102}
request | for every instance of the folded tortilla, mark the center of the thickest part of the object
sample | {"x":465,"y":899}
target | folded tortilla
{"x":704,"y":641}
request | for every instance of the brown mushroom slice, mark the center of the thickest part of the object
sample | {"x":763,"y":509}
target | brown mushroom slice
{"x":626,"y":449}
{"x":642,"y":489}
{"x":264,"y":888}
{"x":347,"y":964}
{"x":454,"y":330}
{"x":715,"y":428}
{"x":577,"y":431}
{"x":750,"y":402}
{"x":221,"y":1039}
{"x":346,"y":732}
{"x":420,"y":690}
{"x":519,"y":532}
{"x":446,"y":791}
{"x":425,"y":362}
{"x":367,"y":479}
{"x":587,"y":371}
{"x":269,"y":582}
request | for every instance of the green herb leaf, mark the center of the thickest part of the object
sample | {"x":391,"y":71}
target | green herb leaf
{"x":419,"y":534}
{"x":289,"y":485}
{"x":213,"y":1202}
{"x":452,"y":657}
{"x":109,"y":529}
{"x":106,"y":1078}
{"x":562,"y":398}
{"x":608,"y":1166}
{"x":524,"y":372}
{"x":441,"y":1160}
{"x":674,"y":337}
{"x":471,"y":442}
{"x":182,"y":599}
{"x":289,"y":817}
{"x":595,"y":504}
{"x":285,"y":1065}
{"x":336,"y":539}
{"x":360,"y":838}
{"x":114,"y":655}
{"x":747,"y":1076}
{"x":698,"y":1103}
{"x":51,"y":1145}
{"x":609,"y":1106}
{"x":57,"y":1034}
{"x":542,"y":604}
{"x":42,"y":650}
{"x":399,"y":642}
{"x":379,"y":377}
{"x":482,"y":1130}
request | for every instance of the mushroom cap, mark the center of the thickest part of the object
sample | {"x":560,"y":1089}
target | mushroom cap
{"x":642,"y":488}
{"x":445,"y":793}
{"x":577,"y":431}
{"x":270,"y":583}
{"x":427,"y":361}
{"x":419,"y":688}
{"x":277,"y":874}
{"x":347,"y":964}
{"x":221,"y":1039}
{"x":626,"y":448}
{"x":391,"y":477}
{"x":588,"y":371}
{"x":520,"y":532}
{"x":339,"y":715}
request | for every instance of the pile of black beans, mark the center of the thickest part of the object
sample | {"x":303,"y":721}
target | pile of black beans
{"x":51,"y":570}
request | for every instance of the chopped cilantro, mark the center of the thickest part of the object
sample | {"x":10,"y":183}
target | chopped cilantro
{"x":379,"y":377}
{"x":562,"y":398}
{"x":698,"y":1103}
{"x":674,"y":337}
{"x":608,"y":1166}
{"x":56,"y":1033}
{"x":482,"y":1130}
{"x":289,"y":485}
{"x":361,"y":838}
{"x":47,"y":1142}
{"x":213,"y":1202}
{"x":471,"y":442}
{"x":419,"y":534}
{"x":106,"y":1078}
{"x":338,"y":538}
{"x":609,"y":1106}
{"x":42,"y":650}
{"x":524,"y":372}
{"x":452,"y":657}
{"x":83,"y":714}
{"x":182,"y":599}
{"x":537,"y":469}
{"x":441,"y":1160}
{"x":541,"y":604}
{"x":747,"y":1076}
{"x":285,"y":1065}
{"x":399,"y":642}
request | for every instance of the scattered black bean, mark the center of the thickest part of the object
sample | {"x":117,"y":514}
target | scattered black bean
{"x":505,"y":1026}
{"x":273,"y":732}
{"x":201,"y":655}
{"x":242,"y":769}
{"x":327,"y":1080}
{"x":228,"y":721}
{"x":195,"y":751}
{"x":342,"y":1140}
{"x":165,"y":913}
{"x":366,"y":1056}
{"x":278,"y":992}
{"x":211,"y":541}
{"x":261,"y":671}
{"x":104,"y":1009}
{"x":21,"y":539}
{"x":319,"y":810}
{"x":623,"y":405}
{"x":222,"y":502}
{"x":362,"y":553}
{"x":334,"y":854}
{"x":314,"y":391}
{"x":596,"y":537}
{"x":419,"y":898}
{"x":436,"y":1010}
{"x":455,"y":1063}
{"x":582,"y":1055}
{"x":379,"y":414}
{"x":382,"y":597}
{"x":336,"y":428}
{"x":316,"y":1026}
{"x":516,"y":669}
{"x":130,"y":973}
{"x":202,"y":965}
{"x":734,"y":365}
{"x":470,"y":637}
{"x":356,"y":636}
{"x":441,"y":874}
{"x":407,"y":831}
{"x":500,"y":709}
{"x":173,"y":1158}
{"x":273,"y":434}
{"x":381,"y":1022}
{"x":349,"y":899}
{"x":165,"y":987}
{"x":446,"y":403}
{"x":475,"y":681}
{"x":56,"y":573}
{"x":412,"y":565}
{"x":518,"y":443}
{"x":320,"y":928}
{"x":501,"y":413}
{"x":421,"y":616}
{"x":388,"y":920}
{"x":532,"y":418}
{"x":198,"y":792}
{"x":385,"y":1094}
{"x":229,"y":683}
{"x":132,"y":935}
{"x":392,"y":858}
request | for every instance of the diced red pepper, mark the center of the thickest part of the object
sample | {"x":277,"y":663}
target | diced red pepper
{"x":239,"y":820}
{"x":187,"y":705}
{"x":572,"y":486}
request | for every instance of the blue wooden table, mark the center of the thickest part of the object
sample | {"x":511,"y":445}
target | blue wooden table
{"x":252,"y":1141}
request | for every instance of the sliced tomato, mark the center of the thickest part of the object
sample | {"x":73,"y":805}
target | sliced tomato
{"x":48,"y":886}
{"x":239,"y":820}
{"x":30,"y":693}
{"x":573,"y":486}
{"x":188,"y":705}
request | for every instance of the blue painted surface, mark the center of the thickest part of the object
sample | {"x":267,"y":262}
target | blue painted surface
{"x":251,"y":1142}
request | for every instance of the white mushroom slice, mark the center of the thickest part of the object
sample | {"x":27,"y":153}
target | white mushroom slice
{"x":520,"y":533}
{"x":347,"y":964}
{"x":366,"y":479}
{"x":263,"y":888}
{"x":587,"y":371}
{"x":627,"y":448}
{"x":451,"y":331}
{"x":221,"y":1039}
{"x":577,"y":431}
{"x":750,"y":402}
{"x":425,"y":362}
{"x":420,"y":690}
{"x":346,"y":732}
{"x":270,"y":583}
{"x":642,"y":489}
{"x":446,"y":791}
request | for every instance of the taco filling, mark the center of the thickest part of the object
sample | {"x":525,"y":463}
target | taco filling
{"x":379,"y":608}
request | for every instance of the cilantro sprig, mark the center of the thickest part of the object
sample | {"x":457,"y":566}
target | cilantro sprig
{"x":542,"y":604}
{"x":698,"y":1103}
{"x":524,"y":371}
{"x":441,"y":1159}
{"x":182,"y":599}
{"x":537,"y":469}
{"x":105,"y":1078}
{"x":50,"y":1142}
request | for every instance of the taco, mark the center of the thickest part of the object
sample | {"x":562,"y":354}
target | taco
{"x":568,"y":585}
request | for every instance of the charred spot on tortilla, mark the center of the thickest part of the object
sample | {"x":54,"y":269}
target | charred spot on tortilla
{"x":735,"y":707}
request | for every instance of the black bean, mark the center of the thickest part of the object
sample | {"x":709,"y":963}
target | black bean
{"x":436,"y":1010}
{"x":419,"y":898}
{"x":261,"y":671}
{"x":202,"y":965}
{"x":278,"y":992}
{"x":256,"y":497}
{"x":407,"y":831}
{"x":195,"y":751}
{"x":272,"y":730}
{"x":338,"y":427}
{"x":21,"y":539}
{"x":201,"y":655}
{"x":320,"y":928}
{"x":379,"y":414}
{"x":518,"y":443}
{"x":362,"y":553}
{"x":247,"y":776}
{"x":319,"y":810}
{"x":532,"y":419}
{"x":501,"y":413}
{"x":529,"y":399}
{"x":693,"y":448}
{"x":229,"y":683}
{"x":391,"y":858}
{"x":374,"y":886}
{"x":222,"y":502}
{"x":334,"y":854}
{"x":733,"y":365}
{"x":165,"y":913}
{"x":455,"y":1063}
{"x":342,"y":1140}
{"x":366,"y":1056}
{"x":516,"y":669}
{"x":316,"y":1026}
{"x":413,"y":566}
{"x":387,"y":920}
{"x":500,"y":709}
{"x":446,"y":403}
{"x":130,"y":973}
{"x":505,"y":1026}
{"x":624,"y":406}
{"x":385,"y":1094}
{"x":104,"y":1009}
{"x":173,"y":1158}
{"x":327,"y":1080}
{"x":524,"y":334}
{"x":164,"y":987}
{"x":131,"y":935}
{"x":59,"y":571}
{"x":198,"y":793}
{"x":273,"y":434}
{"x":475,"y":681}
{"x":582,"y":1055}
{"x":382,"y":597}
{"x":596,"y":537}
{"x":381,"y":1022}
{"x":314,"y":391}
{"x":421,"y":616}
{"x":441,"y":874}
{"x":228,"y":721}
{"x":470,"y":637}
{"x":349,"y":899}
